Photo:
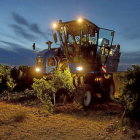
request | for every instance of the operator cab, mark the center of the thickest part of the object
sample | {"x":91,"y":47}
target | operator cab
{"x":84,"y":43}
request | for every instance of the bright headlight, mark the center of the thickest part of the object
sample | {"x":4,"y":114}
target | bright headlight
{"x":37,"y":69}
{"x":79,"y":20}
{"x":54,"y":25}
{"x":79,"y":68}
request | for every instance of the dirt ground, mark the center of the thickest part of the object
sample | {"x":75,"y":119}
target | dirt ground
{"x":66,"y":123}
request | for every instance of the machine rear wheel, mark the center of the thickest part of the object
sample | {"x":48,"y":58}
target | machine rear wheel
{"x":87,"y":98}
{"x":83,"y":95}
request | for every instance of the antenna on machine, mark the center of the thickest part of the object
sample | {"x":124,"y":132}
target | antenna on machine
{"x":49,"y":44}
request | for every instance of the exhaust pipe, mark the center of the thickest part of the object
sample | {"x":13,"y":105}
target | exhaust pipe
{"x":49,"y":45}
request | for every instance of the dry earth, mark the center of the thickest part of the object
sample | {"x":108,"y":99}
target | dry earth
{"x":66,"y":123}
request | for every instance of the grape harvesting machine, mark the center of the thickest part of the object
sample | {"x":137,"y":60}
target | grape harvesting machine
{"x":90,"y":55}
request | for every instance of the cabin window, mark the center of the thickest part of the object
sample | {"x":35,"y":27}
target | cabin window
{"x":40,"y":61}
{"x":51,"y":61}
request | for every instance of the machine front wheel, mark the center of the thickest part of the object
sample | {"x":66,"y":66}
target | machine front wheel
{"x":83,"y":95}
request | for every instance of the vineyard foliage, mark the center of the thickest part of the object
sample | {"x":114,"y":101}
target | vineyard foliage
{"x":129,"y":93}
{"x":23,"y":76}
{"x":19,"y":79}
{"x":7,"y":83}
{"x":47,"y":86}
{"x":15,"y":79}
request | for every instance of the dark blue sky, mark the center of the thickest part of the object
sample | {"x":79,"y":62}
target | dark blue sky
{"x":26,"y":21}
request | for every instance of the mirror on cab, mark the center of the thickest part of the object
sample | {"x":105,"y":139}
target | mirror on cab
{"x":55,"y":37}
{"x":33,"y":46}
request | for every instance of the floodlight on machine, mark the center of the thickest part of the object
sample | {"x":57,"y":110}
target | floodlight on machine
{"x":54,"y":25}
{"x":79,"y":68}
{"x":79,"y":20}
{"x":37,"y":69}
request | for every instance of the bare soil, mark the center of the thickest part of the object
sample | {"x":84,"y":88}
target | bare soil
{"x":99,"y":122}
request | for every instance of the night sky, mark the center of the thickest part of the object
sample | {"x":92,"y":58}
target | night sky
{"x":23,"y":22}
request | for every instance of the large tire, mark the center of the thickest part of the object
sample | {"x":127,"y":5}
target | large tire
{"x":83,"y":95}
